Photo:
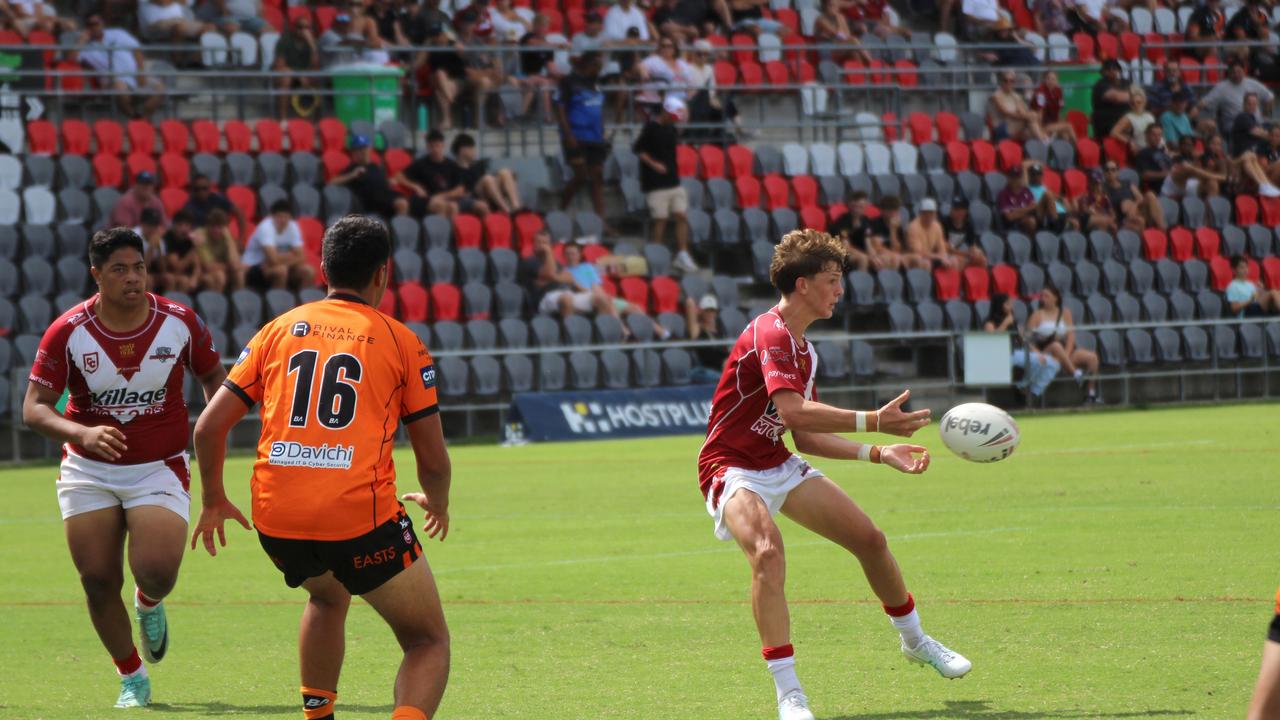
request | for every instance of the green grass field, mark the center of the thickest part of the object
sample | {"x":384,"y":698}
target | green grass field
{"x":1120,"y":565}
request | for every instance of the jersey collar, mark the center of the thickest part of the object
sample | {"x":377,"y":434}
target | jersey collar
{"x":349,"y":297}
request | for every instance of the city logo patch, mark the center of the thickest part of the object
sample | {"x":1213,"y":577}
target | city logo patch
{"x":302,"y":328}
{"x":428,"y":376}
{"x":244,"y":355}
{"x":163,"y":354}
{"x":89,"y":361}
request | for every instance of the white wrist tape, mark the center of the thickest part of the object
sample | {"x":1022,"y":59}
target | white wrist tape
{"x":864,"y":453}
{"x":859,"y":422}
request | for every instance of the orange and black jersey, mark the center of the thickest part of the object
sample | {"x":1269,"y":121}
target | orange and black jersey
{"x":334,"y":377}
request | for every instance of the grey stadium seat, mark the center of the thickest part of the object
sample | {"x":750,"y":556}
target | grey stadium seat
{"x":407,"y":265}
{"x":423,"y":331}
{"x":440,"y":266}
{"x":1110,"y":348}
{"x":676,"y":366}
{"x":863,"y":359}
{"x":931,"y":316}
{"x":1019,"y":246}
{"x":1138,"y":343}
{"x":38,"y":276}
{"x":992,"y":246}
{"x":1182,"y":306}
{"x":695,"y":191}
{"x":486,"y":375}
{"x":481,"y":335}
{"x":1101,"y":246}
{"x":1168,"y":275}
{"x":1209,"y":305}
{"x":833,"y":360}
{"x":338,"y":201}
{"x":1252,"y":343}
{"x":73,"y":274}
{"x":1030,"y":279}
{"x":577,"y":330}
{"x":919,"y":285}
{"x":518,"y":372}
{"x":617,"y":369}
{"x":1047,"y":247}
{"x":513,"y":333}
{"x":505,"y":264}
{"x":1060,"y":275}
{"x":73,"y":239}
{"x":213,"y":307}
{"x":76,"y":205}
{"x":1168,"y":345}
{"x":584,"y":370}
{"x":1074,"y":247}
{"x":1115,"y":278}
{"x":406,"y":231}
{"x":1273,"y":338}
{"x":756,"y":225}
{"x":862,"y":289}
{"x":1087,"y":278}
{"x":1129,"y":245}
{"x":901,"y":317}
{"x":658,"y":258}
{"x":248,"y":307}
{"x":1100,"y":310}
{"x":306,"y":200}
{"x":640,"y":327}
{"x":448,"y":335}
{"x":959,"y":315}
{"x":453,"y":377}
{"x":1141,"y":276}
{"x":545,"y":331}
{"x":240,"y":168}
{"x":608,"y":329}
{"x":36,"y":313}
{"x":477,"y":300}
{"x":699,"y":226}
{"x":1155,"y":307}
{"x":784,"y":221}
{"x":551,"y":372}
{"x":76,"y":171}
{"x":728,"y":230}
{"x":890,"y":282}
{"x":1195,"y":276}
{"x":673,"y":323}
{"x":274,"y":168}
{"x":1259,"y":241}
{"x":1195,"y":342}
{"x":1128,"y":309}
{"x":279,"y":301}
{"x":1224,"y":343}
{"x":1234,"y":240}
{"x":474,"y":265}
{"x":761,"y":256}
{"x":438,"y":231}
{"x":648,"y":366}
{"x":38,"y":240}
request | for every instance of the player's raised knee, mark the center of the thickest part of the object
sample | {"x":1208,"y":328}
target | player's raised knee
{"x":155,"y":582}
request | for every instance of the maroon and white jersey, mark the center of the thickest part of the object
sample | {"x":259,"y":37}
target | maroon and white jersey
{"x":744,"y":430}
{"x":131,"y":381}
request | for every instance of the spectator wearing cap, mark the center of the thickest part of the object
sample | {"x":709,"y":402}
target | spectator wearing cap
{"x":580,"y":111}
{"x":203,"y":199}
{"x":368,"y":182}
{"x":151,"y":229}
{"x":926,"y":239}
{"x":853,"y":228}
{"x":1132,"y":128}
{"x":181,"y":261}
{"x":116,"y":56}
{"x":665,"y":196}
{"x":961,"y":236}
{"x":273,"y":257}
{"x":885,"y":240}
{"x":1135,"y":208}
{"x":427,"y":23}
{"x":1160,"y":94}
{"x":702,"y":316}
{"x":1110,"y":99}
{"x":128,"y":209}
{"x":1056,"y":211}
{"x":1016,"y":205}
{"x":296,"y":52}
{"x":219,"y":252}
{"x":1175,"y":122}
{"x":1226,"y":99}
{"x":498,"y":189}
{"x":170,"y":20}
{"x":1009,"y":114}
{"x":437,"y":181}
{"x":1093,"y":208}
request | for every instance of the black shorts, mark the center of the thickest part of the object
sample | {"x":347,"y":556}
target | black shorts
{"x":592,"y":153}
{"x":1273,"y":632}
{"x":254,"y":278}
{"x":361,"y":564}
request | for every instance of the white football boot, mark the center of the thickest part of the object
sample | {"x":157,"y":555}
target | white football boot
{"x":794,"y":706}
{"x":949,"y":663}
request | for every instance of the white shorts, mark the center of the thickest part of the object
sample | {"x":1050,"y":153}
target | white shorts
{"x":551,"y":301}
{"x":86,"y":485}
{"x":772,"y":485}
{"x":663,"y":203}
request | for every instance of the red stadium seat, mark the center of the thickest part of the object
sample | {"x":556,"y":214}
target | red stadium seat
{"x":1271,"y":272}
{"x":712,"y":158}
{"x":1255,"y":271}
{"x":555,"y":21}
{"x":748,"y":188}
{"x":890,"y":127}
{"x":1181,"y":244}
{"x":142,"y":136}
{"x":751,"y":74}
{"x":312,"y":233}
{"x":726,"y":74}
{"x":467,"y":231}
{"x":789,"y":18}
{"x":70,"y":76}
{"x":1246,"y":210}
{"x":804,"y":72}
{"x":1117,"y":151}
{"x":576,"y":20}
{"x":805,"y":189}
{"x":173,"y":199}
{"x":1154,"y":244}
{"x":793,"y":48}
{"x":1130,"y":45}
{"x":446,"y":302}
{"x":108,"y":171}
{"x":813,"y":217}
{"x":1154,"y":43}
{"x":906,"y":73}
{"x":1084,"y":48}
{"x":686,"y":161}
{"x":239,"y":136}
{"x":174,"y":136}
{"x":140,"y":162}
{"x":1212,"y":67}
{"x":302,"y":135}
{"x":1079,"y":122}
{"x":776,"y":73}
{"x":1088,"y":155}
{"x":109,"y":136}
{"x":270,"y":135}
{"x":1010,"y":154}
{"x":497,"y":230}
{"x":977,"y":283}
{"x":42,"y":137}
{"x":1022,"y":17}
{"x":958,"y":156}
{"x":75,"y":137}
{"x":175,"y":171}
{"x":1077,"y":183}
{"x":592,"y":252}
{"x":855,"y":73}
{"x":776,"y":193}
{"x":334,"y":163}
{"x":742,"y":162}
{"x":274,"y":17}
{"x":1220,"y":273}
{"x":635,"y":291}
{"x":921,"y":128}
{"x":984,"y":157}
{"x":208,"y":138}
{"x":387,"y":305}
{"x":1005,"y":280}
{"x":606,"y":285}
{"x":948,"y":126}
{"x":878,"y":74}
{"x":666,"y":294}
{"x":946,"y":283}
{"x":1208,"y":243}
{"x":414,"y":303}
{"x":246,"y":199}
{"x":1270,"y":211}
{"x":324,"y":17}
{"x":1108,"y":46}
{"x":1190,"y":70}
{"x":333,"y":134}
{"x":295,"y":12}
{"x":396,"y":160}
{"x":746,"y":48}
{"x":527,"y":225}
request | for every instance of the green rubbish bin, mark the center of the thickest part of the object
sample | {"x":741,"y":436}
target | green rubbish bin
{"x":366,"y":92}
{"x":1077,"y":88}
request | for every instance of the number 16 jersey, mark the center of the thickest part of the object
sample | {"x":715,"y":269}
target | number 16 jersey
{"x":334,"y":378}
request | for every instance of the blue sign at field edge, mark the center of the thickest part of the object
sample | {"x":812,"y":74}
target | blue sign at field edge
{"x":607,"y":414}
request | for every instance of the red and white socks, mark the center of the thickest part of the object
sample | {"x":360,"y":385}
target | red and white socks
{"x":782,"y":665}
{"x":142,"y":602}
{"x":907,"y":622}
{"x":130,"y":666}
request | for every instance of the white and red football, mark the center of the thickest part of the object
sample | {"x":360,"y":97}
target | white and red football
{"x":979,"y":432}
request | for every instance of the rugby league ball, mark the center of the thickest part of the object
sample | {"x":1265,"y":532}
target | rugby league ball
{"x":979,"y":432}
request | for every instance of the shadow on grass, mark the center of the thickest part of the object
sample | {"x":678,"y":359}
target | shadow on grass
{"x":981,"y":710}
{"x":221,"y":708}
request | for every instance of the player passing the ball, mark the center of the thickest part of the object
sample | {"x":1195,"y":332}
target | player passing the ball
{"x":335,"y":377}
{"x":1266,"y":693}
{"x":747,"y":474}
{"x":123,"y":356}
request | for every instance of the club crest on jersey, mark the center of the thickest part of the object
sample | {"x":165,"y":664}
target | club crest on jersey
{"x":302,"y":328}
{"x":244,"y":355}
{"x":428,"y":376}
{"x":176,"y":308}
{"x":163,"y":354}
{"x":75,"y":318}
{"x":89,"y":361}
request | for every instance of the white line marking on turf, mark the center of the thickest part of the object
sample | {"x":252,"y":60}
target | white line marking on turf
{"x":1112,"y":448}
{"x":707,"y":551}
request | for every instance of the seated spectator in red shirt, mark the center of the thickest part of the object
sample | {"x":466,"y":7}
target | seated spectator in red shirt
{"x":128,"y":209}
{"x":1017,"y":205}
{"x":1047,"y":100}
{"x":1093,"y":208}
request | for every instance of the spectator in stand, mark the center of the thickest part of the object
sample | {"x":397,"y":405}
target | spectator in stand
{"x":1050,"y":16}
{"x":170,"y":21}
{"x":482,"y":71}
{"x":869,"y":16}
{"x":390,"y":18}
{"x":1161,"y":94}
{"x":1247,"y":130}
{"x":1154,"y":162}
{"x":832,"y":27}
{"x":447,"y":71}
{"x":1009,"y":115}
{"x":1046,"y":100}
{"x":427,"y":23}
{"x":1173,"y":176}
{"x":1135,"y":208}
{"x":886,"y":240}
{"x":437,"y":181}
{"x":979,"y":17}
{"x":1226,"y":99}
{"x":587,"y":277}
{"x":625,"y":22}
{"x":665,"y":196}
{"x":1056,"y":211}
{"x":1250,"y":144}
{"x":128,"y":209}
{"x":1040,"y":369}
{"x":25,"y":16}
{"x":1110,"y":99}
{"x":961,"y":235}
{"x":219,"y":254}
{"x":116,"y":57}
{"x":273,"y":258}
{"x":1252,"y":23}
{"x":592,"y":38}
{"x":748,"y":16}
{"x":508,"y":25}
{"x":204,"y":200}
{"x":1017,"y":205}
{"x":1089,"y":16}
{"x":181,"y":261}
{"x":1175,"y":122}
{"x":1206,"y":24}
{"x":368,"y":182}
{"x":707,"y":105}
{"x":1132,"y":128}
{"x":580,"y":108}
{"x":151,"y":229}
{"x":499,"y":190}
{"x":666,"y":75}
{"x":1247,"y":298}
{"x":926,"y":239}
{"x":296,"y":52}
{"x":352,"y":38}
{"x":1052,"y":331}
{"x":853,"y":228}
{"x":688,"y":20}
{"x":1215,"y":159}
{"x":551,"y":288}
{"x":1093,"y":208}
{"x":703,"y":320}
{"x":538,"y":70}
{"x":1269,"y":156}
{"x":233,"y":15}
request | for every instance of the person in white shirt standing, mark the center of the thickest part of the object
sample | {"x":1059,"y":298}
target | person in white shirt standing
{"x":117,"y":58}
{"x":274,"y":255}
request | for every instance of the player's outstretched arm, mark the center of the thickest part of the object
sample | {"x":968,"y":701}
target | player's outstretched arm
{"x":40,"y":413}
{"x":899,"y":457}
{"x":434,"y":473}
{"x":221,"y":414}
{"x":812,"y":416}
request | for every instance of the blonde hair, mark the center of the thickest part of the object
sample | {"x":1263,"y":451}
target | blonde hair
{"x":804,"y":253}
